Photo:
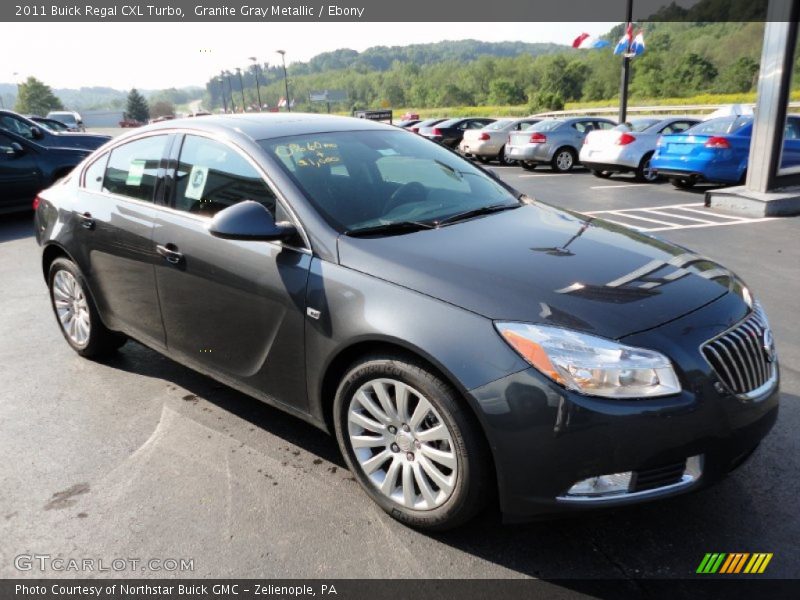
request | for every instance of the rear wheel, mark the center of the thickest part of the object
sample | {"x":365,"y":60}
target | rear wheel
{"x":410,"y":443}
{"x":563,"y":160}
{"x":76,"y":313}
{"x":683,"y":183}
{"x":528,"y":165}
{"x":601,"y":174}
{"x":644,"y":172}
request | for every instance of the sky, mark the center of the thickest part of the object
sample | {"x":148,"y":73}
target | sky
{"x":163,"y":55}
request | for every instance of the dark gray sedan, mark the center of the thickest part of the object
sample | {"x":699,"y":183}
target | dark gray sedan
{"x":459,"y":339}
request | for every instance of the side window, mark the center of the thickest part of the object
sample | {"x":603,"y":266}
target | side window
{"x":16,"y":126}
{"x":677,"y":127}
{"x":583,"y":126}
{"x":603,"y":125}
{"x":133,"y":167}
{"x":212,"y":176}
{"x":93,"y":175}
{"x":5,"y":145}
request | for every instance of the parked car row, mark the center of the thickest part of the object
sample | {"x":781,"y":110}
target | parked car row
{"x":34,"y":154}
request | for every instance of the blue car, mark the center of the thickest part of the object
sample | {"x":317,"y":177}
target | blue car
{"x":716,"y":151}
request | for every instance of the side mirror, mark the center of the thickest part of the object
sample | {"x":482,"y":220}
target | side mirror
{"x":36,"y":133}
{"x":251,"y":221}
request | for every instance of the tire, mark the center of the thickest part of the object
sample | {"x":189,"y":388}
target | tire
{"x":482,"y":159}
{"x":76,"y":314}
{"x":682,"y":183}
{"x":413,"y":497}
{"x":528,"y":165}
{"x":643,"y":172}
{"x":564,"y":160}
{"x":601,"y":174}
{"x":503,"y":159}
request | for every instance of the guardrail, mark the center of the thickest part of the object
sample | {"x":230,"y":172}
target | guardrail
{"x":671,"y":109}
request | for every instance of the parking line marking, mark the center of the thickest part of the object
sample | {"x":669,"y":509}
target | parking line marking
{"x":629,"y":216}
{"x":703,"y":212}
{"x":542,"y":175}
{"x":608,"y":187}
{"x":663,"y":214}
{"x":620,"y":210}
{"x":743,"y":222}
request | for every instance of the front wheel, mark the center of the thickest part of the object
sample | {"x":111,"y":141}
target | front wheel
{"x":644,"y":172}
{"x":504,"y":159}
{"x":563,"y":160}
{"x":410,"y":443}
{"x":601,"y":174}
{"x":76,"y":313}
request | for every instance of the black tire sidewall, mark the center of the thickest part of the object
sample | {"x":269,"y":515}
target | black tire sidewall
{"x":469,"y":493}
{"x":101,"y":340}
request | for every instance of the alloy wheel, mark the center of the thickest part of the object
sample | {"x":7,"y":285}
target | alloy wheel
{"x":402,"y":444}
{"x":648,"y":173}
{"x":564,"y":160}
{"x":71,"y":307}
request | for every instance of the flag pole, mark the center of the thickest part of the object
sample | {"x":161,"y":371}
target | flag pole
{"x":626,"y":69}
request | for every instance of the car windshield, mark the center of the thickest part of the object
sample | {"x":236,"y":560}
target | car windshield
{"x":63,"y":117}
{"x":501,"y":124}
{"x":547,"y":125}
{"x":637,"y":125}
{"x":721,"y":125}
{"x":365,"y":179}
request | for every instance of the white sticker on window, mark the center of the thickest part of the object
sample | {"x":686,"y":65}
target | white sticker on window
{"x":197,"y":183}
{"x":135,"y":172}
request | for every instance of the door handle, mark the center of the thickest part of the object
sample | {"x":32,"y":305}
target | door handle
{"x":87,"y":222}
{"x":170,"y":252}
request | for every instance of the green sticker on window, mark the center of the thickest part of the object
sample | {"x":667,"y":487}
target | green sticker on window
{"x":136,"y":172}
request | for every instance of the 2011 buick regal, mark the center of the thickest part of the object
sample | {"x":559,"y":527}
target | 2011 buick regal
{"x":458,"y":337}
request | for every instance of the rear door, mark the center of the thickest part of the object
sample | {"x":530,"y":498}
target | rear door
{"x":234,"y":309}
{"x":113,"y":220}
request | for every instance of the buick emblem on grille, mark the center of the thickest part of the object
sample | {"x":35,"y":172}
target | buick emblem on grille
{"x":769,"y":345}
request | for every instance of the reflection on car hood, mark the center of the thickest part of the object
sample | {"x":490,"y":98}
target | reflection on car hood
{"x":544,"y":265}
{"x":77,"y":140}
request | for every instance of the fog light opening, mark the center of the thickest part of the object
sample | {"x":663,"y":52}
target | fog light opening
{"x":602,"y":485}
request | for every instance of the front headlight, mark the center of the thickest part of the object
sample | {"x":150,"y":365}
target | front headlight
{"x":592,"y":365}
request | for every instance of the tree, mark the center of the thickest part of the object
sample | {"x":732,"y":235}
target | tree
{"x":505,"y":91}
{"x":691,"y":74}
{"x":162,"y":108}
{"x":740,"y":76}
{"x":137,"y":106}
{"x":34,"y":97}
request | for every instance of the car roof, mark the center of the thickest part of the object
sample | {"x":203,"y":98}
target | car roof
{"x":262,"y":126}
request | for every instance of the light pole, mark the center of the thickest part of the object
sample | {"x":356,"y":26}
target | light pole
{"x":241,"y":87}
{"x":222,"y":93}
{"x":230,"y":89}
{"x":626,"y":69}
{"x":258,"y":88}
{"x":285,"y":79}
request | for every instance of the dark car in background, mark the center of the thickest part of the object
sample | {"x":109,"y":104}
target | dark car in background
{"x":26,"y":167}
{"x":407,"y":123}
{"x":31,"y":130}
{"x":387,"y":290}
{"x":450,"y":133}
{"x":50,"y":124}
{"x":427,"y":124}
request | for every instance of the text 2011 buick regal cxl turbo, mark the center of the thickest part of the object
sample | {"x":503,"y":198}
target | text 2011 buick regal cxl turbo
{"x":458,"y":337}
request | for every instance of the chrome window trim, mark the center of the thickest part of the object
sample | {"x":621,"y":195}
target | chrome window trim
{"x":237,"y":148}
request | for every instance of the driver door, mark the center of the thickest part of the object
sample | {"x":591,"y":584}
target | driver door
{"x":234,"y":309}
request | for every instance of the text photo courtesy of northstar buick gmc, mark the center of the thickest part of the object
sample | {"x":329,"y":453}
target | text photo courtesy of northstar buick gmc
{"x":388,"y":291}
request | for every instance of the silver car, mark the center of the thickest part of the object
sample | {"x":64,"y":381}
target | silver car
{"x":629,"y":146}
{"x":553,"y":141}
{"x":490,"y":142}
{"x":70,"y":118}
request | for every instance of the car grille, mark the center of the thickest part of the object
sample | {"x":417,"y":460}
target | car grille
{"x":739,"y":356}
{"x":650,"y":479}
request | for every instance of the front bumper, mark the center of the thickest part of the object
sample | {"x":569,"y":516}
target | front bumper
{"x":545,"y":438}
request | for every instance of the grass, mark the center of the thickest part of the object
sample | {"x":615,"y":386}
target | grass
{"x":524,"y":111}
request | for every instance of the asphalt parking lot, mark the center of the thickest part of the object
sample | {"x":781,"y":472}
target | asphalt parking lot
{"x":139,"y":457}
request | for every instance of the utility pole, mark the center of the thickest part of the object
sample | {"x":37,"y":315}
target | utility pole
{"x":256,"y":69}
{"x":241,"y":87}
{"x":285,"y":79}
{"x":626,"y":68}
{"x":230,"y":89}
{"x":222,"y":93}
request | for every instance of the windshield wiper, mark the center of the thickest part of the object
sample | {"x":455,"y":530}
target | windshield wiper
{"x":476,"y":212}
{"x":398,"y":227}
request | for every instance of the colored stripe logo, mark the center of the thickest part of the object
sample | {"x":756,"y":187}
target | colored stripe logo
{"x":734,"y":563}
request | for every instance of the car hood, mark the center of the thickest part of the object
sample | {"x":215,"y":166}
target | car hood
{"x":544,"y":265}
{"x":77,"y":140}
